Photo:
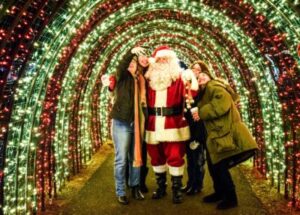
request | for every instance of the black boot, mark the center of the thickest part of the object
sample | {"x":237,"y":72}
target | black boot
{"x":214,"y":197}
{"x":176,"y":188}
{"x":136,"y":193}
{"x":193,"y":191}
{"x":144,"y":173}
{"x":186,"y":187}
{"x":161,"y":179}
{"x":229,"y":201}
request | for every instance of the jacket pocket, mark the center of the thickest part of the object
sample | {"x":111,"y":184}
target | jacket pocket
{"x":224,"y":143}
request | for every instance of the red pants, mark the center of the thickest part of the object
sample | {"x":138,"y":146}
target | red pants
{"x":167,"y":153}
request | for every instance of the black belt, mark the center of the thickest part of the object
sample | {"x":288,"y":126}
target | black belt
{"x":165,"y":111}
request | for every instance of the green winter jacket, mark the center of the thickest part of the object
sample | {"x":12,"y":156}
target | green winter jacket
{"x":228,"y":137}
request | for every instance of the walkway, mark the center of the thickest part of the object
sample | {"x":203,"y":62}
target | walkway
{"x":97,"y":197}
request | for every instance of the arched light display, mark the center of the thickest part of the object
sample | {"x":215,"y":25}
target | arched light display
{"x":54,"y":111}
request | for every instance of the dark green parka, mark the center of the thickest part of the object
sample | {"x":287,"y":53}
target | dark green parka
{"x":228,"y":137}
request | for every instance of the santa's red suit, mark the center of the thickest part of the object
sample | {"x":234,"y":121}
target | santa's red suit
{"x":166,"y":129}
{"x":166,"y":133}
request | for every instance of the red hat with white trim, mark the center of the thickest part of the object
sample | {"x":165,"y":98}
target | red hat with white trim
{"x":164,"y":51}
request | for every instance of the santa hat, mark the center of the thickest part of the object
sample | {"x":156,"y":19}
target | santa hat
{"x":162,"y":51}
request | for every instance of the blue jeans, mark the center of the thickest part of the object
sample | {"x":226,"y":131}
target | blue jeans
{"x":123,"y":138}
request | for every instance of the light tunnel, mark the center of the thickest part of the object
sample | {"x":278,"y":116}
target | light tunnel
{"x":55,"y":114}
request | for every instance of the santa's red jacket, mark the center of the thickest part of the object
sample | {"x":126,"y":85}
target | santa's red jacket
{"x":172,"y":128}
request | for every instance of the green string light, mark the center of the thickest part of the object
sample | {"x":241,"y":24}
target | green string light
{"x":23,"y":134}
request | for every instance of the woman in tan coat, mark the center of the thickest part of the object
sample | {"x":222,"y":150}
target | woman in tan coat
{"x":229,"y":141}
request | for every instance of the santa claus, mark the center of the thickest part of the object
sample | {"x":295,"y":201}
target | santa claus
{"x":166,"y":129}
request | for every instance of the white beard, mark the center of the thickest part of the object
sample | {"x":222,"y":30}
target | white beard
{"x":161,"y":75}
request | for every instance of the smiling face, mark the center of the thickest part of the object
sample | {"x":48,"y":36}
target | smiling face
{"x":162,"y":60}
{"x":203,"y":78}
{"x":196,"y":69}
{"x":132,"y":66}
{"x":143,"y":61}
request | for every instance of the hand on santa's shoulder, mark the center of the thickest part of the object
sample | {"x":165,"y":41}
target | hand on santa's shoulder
{"x":187,"y":75}
{"x":189,"y":78}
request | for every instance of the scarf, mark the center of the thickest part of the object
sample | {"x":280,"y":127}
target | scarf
{"x":139,"y":119}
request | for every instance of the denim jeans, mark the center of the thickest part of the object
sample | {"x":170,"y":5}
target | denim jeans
{"x":123,"y":138}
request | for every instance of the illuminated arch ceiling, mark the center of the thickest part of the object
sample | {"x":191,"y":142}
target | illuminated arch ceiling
{"x":53,"y":53}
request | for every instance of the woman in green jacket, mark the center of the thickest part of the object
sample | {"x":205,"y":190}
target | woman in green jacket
{"x":229,"y":141}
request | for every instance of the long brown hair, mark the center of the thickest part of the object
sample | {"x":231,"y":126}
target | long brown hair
{"x":122,"y":69}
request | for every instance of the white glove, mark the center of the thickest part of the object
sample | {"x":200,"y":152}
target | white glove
{"x":188,"y":75}
{"x":194,"y":145}
{"x":105,"y":80}
{"x":139,"y":51}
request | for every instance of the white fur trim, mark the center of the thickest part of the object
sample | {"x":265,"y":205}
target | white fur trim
{"x":161,"y":134}
{"x":194,"y":83}
{"x":168,"y":135}
{"x":160,"y":101}
{"x":160,"y":169}
{"x":176,"y":171}
{"x":161,"y":98}
{"x":165,"y":53}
